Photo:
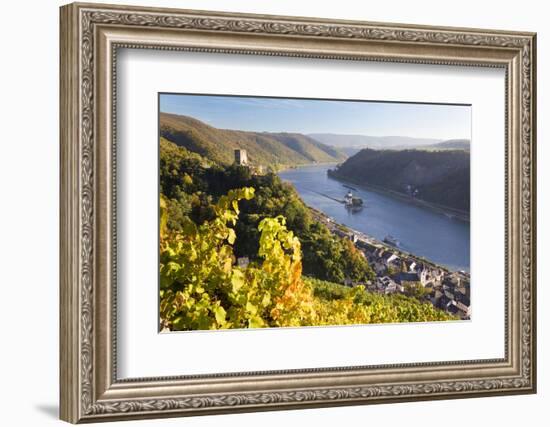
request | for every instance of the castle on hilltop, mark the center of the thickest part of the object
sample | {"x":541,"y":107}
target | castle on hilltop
{"x":241,"y":159}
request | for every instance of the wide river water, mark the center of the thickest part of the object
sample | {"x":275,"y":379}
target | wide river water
{"x":420,"y":231}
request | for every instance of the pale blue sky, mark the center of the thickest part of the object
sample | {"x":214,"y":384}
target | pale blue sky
{"x":322,"y":116}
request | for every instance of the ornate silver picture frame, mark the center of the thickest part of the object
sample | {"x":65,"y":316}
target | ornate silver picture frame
{"x":91,"y":36}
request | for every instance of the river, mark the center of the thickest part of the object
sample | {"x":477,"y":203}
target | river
{"x":420,"y":231}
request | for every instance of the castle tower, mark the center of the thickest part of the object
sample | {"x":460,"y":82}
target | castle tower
{"x":241,"y":158}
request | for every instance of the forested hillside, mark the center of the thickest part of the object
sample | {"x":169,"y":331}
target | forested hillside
{"x":441,"y":177}
{"x":192,"y":184}
{"x":271,"y":150}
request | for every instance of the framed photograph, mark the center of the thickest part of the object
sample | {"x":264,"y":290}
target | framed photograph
{"x":266,"y":212}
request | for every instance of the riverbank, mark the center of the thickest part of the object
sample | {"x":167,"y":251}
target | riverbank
{"x":345,"y":231}
{"x":401,"y":272}
{"x":434,"y":207}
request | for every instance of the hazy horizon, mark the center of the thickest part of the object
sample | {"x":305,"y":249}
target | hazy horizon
{"x":376,"y":119}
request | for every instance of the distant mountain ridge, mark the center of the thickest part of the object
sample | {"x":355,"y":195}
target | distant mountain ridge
{"x":441,"y":176}
{"x":263,"y":148}
{"x":382,"y":142}
{"x":352,"y":144}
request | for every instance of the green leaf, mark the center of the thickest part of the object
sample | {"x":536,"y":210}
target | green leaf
{"x":235,"y":205}
{"x":220,"y":313}
{"x":266,"y":299}
{"x":248,"y":193}
{"x":237,"y":280}
{"x":256,"y":322}
{"x":251,"y":308}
